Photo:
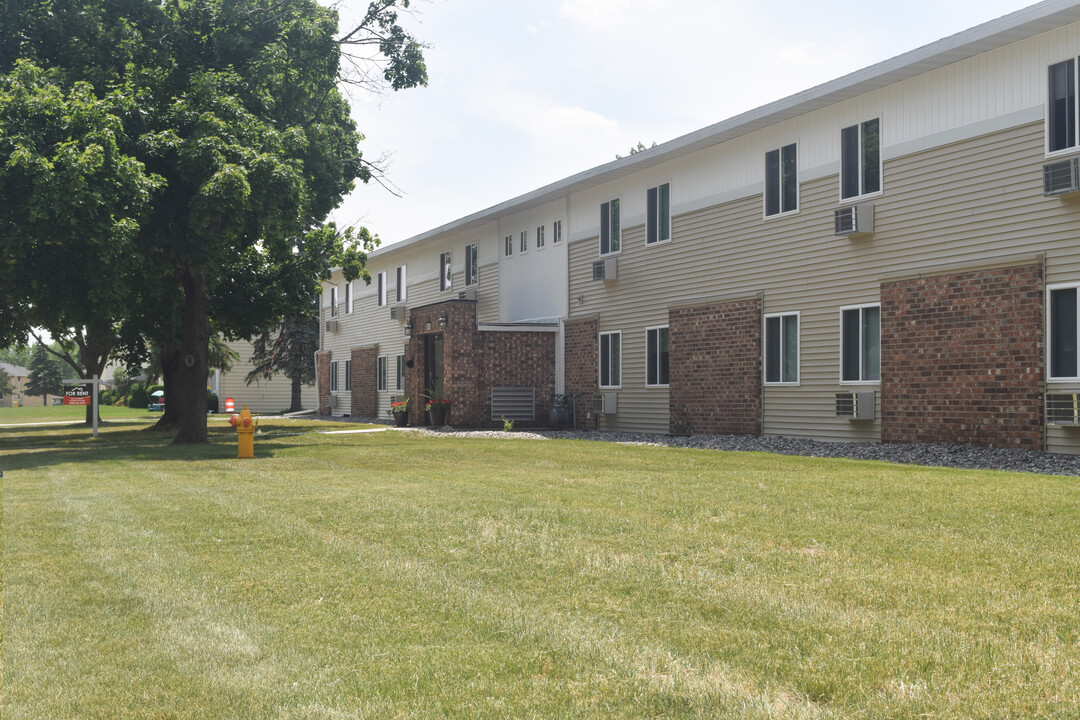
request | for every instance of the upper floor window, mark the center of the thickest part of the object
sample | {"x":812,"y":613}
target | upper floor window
{"x":445,"y":279}
{"x":1064,"y":326}
{"x":781,"y":181}
{"x":471,"y":267}
{"x":782,"y":348}
{"x":610,"y":231}
{"x":333,"y":301}
{"x":509,"y":242}
{"x":556,"y":232}
{"x":658,"y":214}
{"x":657,"y":356}
{"x":540,"y":236}
{"x":401,"y":292}
{"x":382,"y":288}
{"x":610,"y":359}
{"x":348,"y":297}
{"x":524,"y":241}
{"x":1061,"y":124}
{"x":860,"y":344}
{"x":860,"y":159}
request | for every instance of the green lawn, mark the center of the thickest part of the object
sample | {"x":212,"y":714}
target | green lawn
{"x":404,"y":576}
{"x":72,"y":413}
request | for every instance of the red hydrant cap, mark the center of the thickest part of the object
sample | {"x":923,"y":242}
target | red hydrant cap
{"x":247,"y":421}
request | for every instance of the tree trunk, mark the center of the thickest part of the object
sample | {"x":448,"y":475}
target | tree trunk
{"x":170,"y":361}
{"x":297,"y":401}
{"x":191,"y":371}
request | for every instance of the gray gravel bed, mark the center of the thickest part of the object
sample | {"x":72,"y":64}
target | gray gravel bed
{"x":928,"y":454}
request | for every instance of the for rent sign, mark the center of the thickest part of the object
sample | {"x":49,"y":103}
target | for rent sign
{"x":78,"y":394}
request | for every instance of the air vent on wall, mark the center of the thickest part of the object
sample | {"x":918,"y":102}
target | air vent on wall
{"x":606,"y":403}
{"x":469,"y":294}
{"x":606,"y":270}
{"x":399,"y":313}
{"x":854,"y":221}
{"x":331,"y":326}
{"x":1063,"y":408}
{"x":331,"y":401}
{"x":1061,"y":177}
{"x":855,"y":405}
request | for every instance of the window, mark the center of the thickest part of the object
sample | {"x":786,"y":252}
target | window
{"x":348,"y":297}
{"x":860,"y":159}
{"x":445,"y":279}
{"x":524,"y":241}
{"x":509,"y":245}
{"x":333,"y":301}
{"x":610,"y":360}
{"x":1064,"y":326}
{"x":401,"y":283}
{"x":1061,"y":108}
{"x":656,"y":356}
{"x":382,"y":289}
{"x":381,"y":370}
{"x":348,"y":374}
{"x":781,"y":181}
{"x":471,"y":274}
{"x":860,"y":344}
{"x":540,"y":237}
{"x":610,"y":232}
{"x":400,"y":382}
{"x":333,"y":376}
{"x":556,"y":232}
{"x":782,"y":348}
{"x":658,"y":214}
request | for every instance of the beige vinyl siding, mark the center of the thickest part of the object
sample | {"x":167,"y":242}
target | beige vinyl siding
{"x":263,"y":396}
{"x":953,"y":207}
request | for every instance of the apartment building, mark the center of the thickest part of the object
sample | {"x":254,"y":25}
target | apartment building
{"x":891,"y":256}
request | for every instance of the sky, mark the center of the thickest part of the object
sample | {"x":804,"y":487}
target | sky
{"x":523,"y":93}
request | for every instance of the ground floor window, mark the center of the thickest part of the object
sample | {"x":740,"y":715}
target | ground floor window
{"x":782,"y":348}
{"x":400,"y":384}
{"x":1064,"y":327}
{"x":860,"y":344}
{"x":610,"y":359}
{"x":657,"y":356}
{"x":333,"y":376}
{"x":381,"y":370}
{"x":348,"y":374}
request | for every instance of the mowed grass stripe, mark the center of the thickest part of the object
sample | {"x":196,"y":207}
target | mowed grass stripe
{"x":427,"y":577}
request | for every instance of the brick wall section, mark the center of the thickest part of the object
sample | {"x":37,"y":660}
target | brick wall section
{"x":962,"y":358}
{"x":715,"y":377}
{"x":322,"y":370}
{"x":582,"y":373}
{"x":365,"y":398}
{"x":519,"y":359}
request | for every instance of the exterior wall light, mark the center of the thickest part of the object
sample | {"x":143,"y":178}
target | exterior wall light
{"x":442,"y":323}
{"x":408,"y":329}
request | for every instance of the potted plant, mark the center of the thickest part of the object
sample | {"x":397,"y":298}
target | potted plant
{"x":400,"y":410}
{"x":437,"y":406}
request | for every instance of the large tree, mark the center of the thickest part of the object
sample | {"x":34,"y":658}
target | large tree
{"x":230,"y":115}
{"x":289,"y":350}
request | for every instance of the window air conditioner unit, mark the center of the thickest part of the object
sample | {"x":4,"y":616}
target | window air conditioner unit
{"x":1061,"y":177}
{"x":855,"y":405}
{"x":1063,"y":409}
{"x":399,"y":312}
{"x":331,"y":401}
{"x":469,"y":294}
{"x":854,"y":220}
{"x":606,"y":403}
{"x":606,"y":270}
{"x":331,"y":326}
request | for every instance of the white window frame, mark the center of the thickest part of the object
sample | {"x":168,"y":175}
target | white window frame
{"x":659,"y":221}
{"x":860,"y":308}
{"x":380,"y":373}
{"x":508,"y":246}
{"x":402,"y":289}
{"x":446,"y":272}
{"x":399,"y":374}
{"x":333,"y":301}
{"x":599,"y":359}
{"x":765,"y":349}
{"x":1050,"y":289}
{"x":780,"y":182}
{"x":333,"y":376}
{"x":613,"y":240}
{"x":348,"y":375}
{"x":657,"y":328}
{"x":540,"y":236}
{"x":524,"y":246}
{"x":382,"y":289}
{"x":1069,"y":149}
{"x":556,"y":232}
{"x":472,"y":262}
{"x":862,"y":162}
{"x":348,"y":297}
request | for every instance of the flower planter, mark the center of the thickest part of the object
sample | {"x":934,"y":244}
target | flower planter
{"x":438,"y":413}
{"x":401,"y":419}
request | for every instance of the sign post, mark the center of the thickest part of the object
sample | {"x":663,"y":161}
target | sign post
{"x":84,"y":392}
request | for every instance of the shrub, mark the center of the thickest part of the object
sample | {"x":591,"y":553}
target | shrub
{"x":137,"y":398}
{"x":211,"y":402}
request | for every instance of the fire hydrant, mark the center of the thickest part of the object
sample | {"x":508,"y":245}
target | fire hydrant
{"x":245,"y":433}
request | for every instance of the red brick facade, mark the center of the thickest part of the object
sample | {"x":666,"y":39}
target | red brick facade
{"x":475,"y":361}
{"x":581,"y":355}
{"x":322,"y":371}
{"x":364,"y":398}
{"x":962,"y":358}
{"x":715,"y":361}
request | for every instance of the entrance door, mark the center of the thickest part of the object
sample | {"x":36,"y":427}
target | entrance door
{"x":433,"y":366}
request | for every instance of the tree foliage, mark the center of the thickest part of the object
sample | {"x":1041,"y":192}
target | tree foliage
{"x":288,"y":350}
{"x":46,"y":376}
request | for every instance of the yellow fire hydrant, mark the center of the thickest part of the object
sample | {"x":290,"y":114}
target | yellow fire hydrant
{"x":245,"y":433}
